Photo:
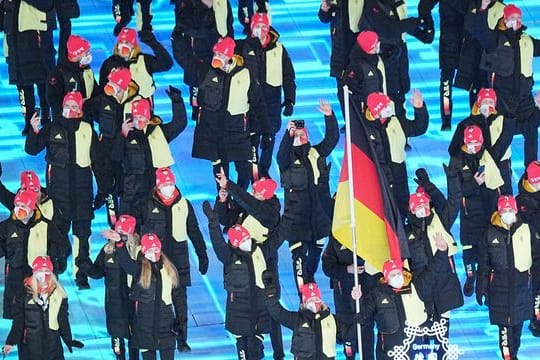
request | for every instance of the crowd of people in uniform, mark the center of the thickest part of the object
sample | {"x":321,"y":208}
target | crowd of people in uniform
{"x":104,"y":130}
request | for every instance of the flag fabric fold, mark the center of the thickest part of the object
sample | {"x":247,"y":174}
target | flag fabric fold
{"x":379,"y":232}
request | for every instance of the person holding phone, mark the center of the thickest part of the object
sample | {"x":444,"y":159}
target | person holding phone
{"x":304,"y":176}
{"x":496,"y":127}
{"x":73,"y":161}
{"x":508,"y":271}
{"x":474,"y":182}
{"x":144,"y":147}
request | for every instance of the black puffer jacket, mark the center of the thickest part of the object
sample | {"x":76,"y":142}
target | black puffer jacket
{"x":30,"y":329}
{"x":258,"y":60}
{"x":218,"y":133}
{"x":341,"y":35}
{"x":385,"y":305}
{"x":383,"y":17}
{"x":396,"y":173}
{"x":66,"y":77}
{"x":117,"y":304}
{"x":69,"y":185}
{"x":240,"y":204}
{"x":159,"y":219}
{"x":496,"y":149}
{"x":528,"y":201}
{"x":159,"y":62}
{"x":509,"y":289}
{"x":197,"y":23}
{"x":447,"y":295}
{"x":153,"y":319}
{"x":17,"y":240}
{"x":362,"y":75}
{"x":31,"y":53}
{"x":513,"y":80}
{"x":135,"y":155}
{"x":473,"y":202}
{"x":469,"y":75}
{"x":49,"y":211}
{"x":246,"y":313}
{"x":335,"y":260}
{"x":306,"y":215}
{"x":314,"y":335}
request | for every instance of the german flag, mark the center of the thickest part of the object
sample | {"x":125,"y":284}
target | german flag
{"x":379,"y":231}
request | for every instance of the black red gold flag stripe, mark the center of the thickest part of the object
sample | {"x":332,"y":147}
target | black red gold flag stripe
{"x":379,"y":232}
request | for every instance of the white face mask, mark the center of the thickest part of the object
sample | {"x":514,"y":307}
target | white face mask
{"x":386,"y":112}
{"x":486,"y":110}
{"x":473,"y":148}
{"x":152,"y":256}
{"x":508,"y":218}
{"x":313,"y":306}
{"x":421,"y":212}
{"x":536,"y":186}
{"x":167,"y":190}
{"x":257,"y":32}
{"x":86,"y":60}
{"x":41,"y":277}
{"x":514,"y":24}
{"x":397,"y":281}
{"x":245,"y":245}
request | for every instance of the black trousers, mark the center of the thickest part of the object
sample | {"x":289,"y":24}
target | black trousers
{"x":445,"y":90}
{"x":306,"y":257}
{"x":163,"y":354}
{"x":250,"y":347}
{"x":180,"y":310}
{"x":27,"y":99}
{"x":528,"y":127}
{"x":81,"y":232}
{"x":144,"y":16}
{"x":510,"y":340}
{"x":470,"y":259}
{"x":266,"y":143}
{"x":118,"y":346}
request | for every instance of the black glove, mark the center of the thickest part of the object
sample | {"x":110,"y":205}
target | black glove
{"x":534,"y":327}
{"x":61,"y":265}
{"x":289,"y":107}
{"x":482,"y":283}
{"x":74,"y":344}
{"x":83,"y":264}
{"x":426,"y":30}
{"x":147,"y":36}
{"x":410,"y":25}
{"x":174,"y":94}
{"x":209,"y":212}
{"x":422,"y":179}
{"x":99,"y":200}
{"x":203,"y":265}
{"x":269,"y":281}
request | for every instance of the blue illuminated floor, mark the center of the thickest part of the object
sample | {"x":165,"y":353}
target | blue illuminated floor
{"x":308,"y":44}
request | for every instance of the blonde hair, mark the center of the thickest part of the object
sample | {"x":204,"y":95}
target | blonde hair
{"x":52,"y":284}
{"x":146,"y":272}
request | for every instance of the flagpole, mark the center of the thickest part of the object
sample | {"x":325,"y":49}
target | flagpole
{"x":350,"y":173}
